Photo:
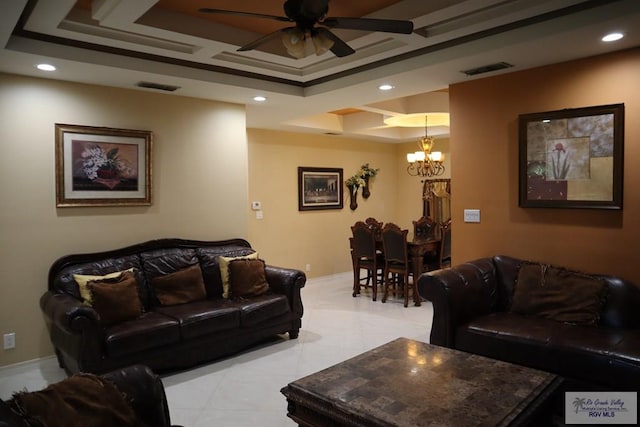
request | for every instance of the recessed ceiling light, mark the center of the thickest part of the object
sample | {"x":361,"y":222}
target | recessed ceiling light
{"x":385,"y":87}
{"x":612,"y":37}
{"x":45,"y":67}
{"x":259,"y":98}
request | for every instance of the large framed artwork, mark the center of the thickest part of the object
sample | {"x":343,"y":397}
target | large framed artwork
{"x":572,"y":158}
{"x":319,"y":188}
{"x":99,"y":166}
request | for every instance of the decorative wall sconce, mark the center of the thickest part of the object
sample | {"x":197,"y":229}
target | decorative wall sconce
{"x":360,"y":179}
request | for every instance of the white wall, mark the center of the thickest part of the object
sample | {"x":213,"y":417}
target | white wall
{"x":200,"y":186}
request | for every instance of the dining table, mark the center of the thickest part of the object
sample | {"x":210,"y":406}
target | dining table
{"x":417,"y":248}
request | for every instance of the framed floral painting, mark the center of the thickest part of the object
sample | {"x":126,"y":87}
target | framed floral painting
{"x":99,"y":166}
{"x":572,"y":158}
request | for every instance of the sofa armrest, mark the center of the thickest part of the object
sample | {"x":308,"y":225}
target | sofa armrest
{"x":144,"y":390}
{"x":458,"y":295}
{"x":74,"y":328}
{"x":287,"y":281}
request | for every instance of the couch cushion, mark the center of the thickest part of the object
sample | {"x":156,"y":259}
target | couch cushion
{"x":247,"y":278}
{"x":573,"y":351}
{"x":115,"y":299}
{"x":83,"y":279}
{"x":203,"y":317}
{"x":558,"y":294}
{"x":223,"y":262}
{"x":148,"y":331}
{"x":256,"y":310}
{"x":182,"y":286}
{"x":209,"y":262}
{"x":64,"y":281}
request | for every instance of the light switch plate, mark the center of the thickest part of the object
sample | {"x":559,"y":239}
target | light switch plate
{"x":256,"y":206}
{"x":472,"y":215}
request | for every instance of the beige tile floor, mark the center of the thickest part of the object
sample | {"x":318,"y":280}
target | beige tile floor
{"x":244,"y":390}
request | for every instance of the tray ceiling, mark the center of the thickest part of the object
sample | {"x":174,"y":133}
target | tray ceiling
{"x":168,"y":42}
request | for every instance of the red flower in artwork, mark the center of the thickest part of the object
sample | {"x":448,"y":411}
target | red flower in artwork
{"x":560,"y":170}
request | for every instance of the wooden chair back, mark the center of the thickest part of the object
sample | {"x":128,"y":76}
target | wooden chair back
{"x":394,"y":244}
{"x":445,"y":244}
{"x":364,"y":241}
{"x":423,"y":228}
{"x":376,"y":226}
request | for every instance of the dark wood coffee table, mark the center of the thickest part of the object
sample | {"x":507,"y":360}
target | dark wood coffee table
{"x":411,"y":383}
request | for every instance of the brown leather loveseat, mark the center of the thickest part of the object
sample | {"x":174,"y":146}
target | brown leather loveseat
{"x":585,"y":328}
{"x":177,"y":323}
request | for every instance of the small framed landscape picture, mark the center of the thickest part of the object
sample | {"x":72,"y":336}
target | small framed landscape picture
{"x":98,"y":166}
{"x":319,"y":188}
{"x":572,"y":158}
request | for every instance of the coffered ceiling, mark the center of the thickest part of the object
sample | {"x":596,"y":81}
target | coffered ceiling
{"x":122,"y":43}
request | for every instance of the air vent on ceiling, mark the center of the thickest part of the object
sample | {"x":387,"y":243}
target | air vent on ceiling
{"x":487,"y":68}
{"x":333,"y":133}
{"x":151,"y":85}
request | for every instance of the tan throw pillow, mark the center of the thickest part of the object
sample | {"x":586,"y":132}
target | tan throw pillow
{"x":247,"y":278}
{"x":83,"y":279}
{"x":180,"y":287}
{"x":115,"y":299}
{"x":559,"y":294}
{"x":223,"y":263}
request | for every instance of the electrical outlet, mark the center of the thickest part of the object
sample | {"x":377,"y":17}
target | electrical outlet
{"x":307,"y":267}
{"x":9,"y":340}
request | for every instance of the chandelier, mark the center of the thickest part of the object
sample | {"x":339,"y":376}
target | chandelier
{"x":424,"y":162}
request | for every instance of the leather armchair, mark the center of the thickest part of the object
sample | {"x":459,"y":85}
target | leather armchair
{"x":143,"y":390}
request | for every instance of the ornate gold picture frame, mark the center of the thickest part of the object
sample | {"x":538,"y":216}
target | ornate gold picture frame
{"x":99,"y":166}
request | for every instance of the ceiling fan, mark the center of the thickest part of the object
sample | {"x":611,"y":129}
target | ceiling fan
{"x":311,"y":21}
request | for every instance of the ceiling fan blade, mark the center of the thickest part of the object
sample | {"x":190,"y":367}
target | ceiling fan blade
{"x":246,"y":14}
{"x":339,"y":48}
{"x":370,"y":24}
{"x":264,"y":39}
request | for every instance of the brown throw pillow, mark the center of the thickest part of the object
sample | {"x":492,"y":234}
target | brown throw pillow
{"x":116,"y":300}
{"x":81,"y":400}
{"x":247,"y":277}
{"x":180,"y":287}
{"x":559,"y":294}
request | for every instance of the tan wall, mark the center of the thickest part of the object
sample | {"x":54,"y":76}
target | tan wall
{"x":199,"y":182}
{"x":484,"y":145}
{"x":288,"y":237}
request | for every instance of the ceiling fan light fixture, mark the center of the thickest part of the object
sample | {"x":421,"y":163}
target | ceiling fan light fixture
{"x":294,"y":41}
{"x":321,"y":43}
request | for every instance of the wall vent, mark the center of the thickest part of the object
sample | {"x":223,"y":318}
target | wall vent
{"x":487,"y":68}
{"x":151,"y":85}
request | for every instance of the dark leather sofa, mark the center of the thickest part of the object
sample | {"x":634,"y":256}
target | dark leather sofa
{"x":142,"y":389}
{"x":166,"y":337}
{"x":472,"y":302}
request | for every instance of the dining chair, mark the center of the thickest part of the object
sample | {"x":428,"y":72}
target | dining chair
{"x":376,"y":226}
{"x":365,"y":257}
{"x":445,"y":244}
{"x":397,"y":265}
{"x":424,"y":228}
